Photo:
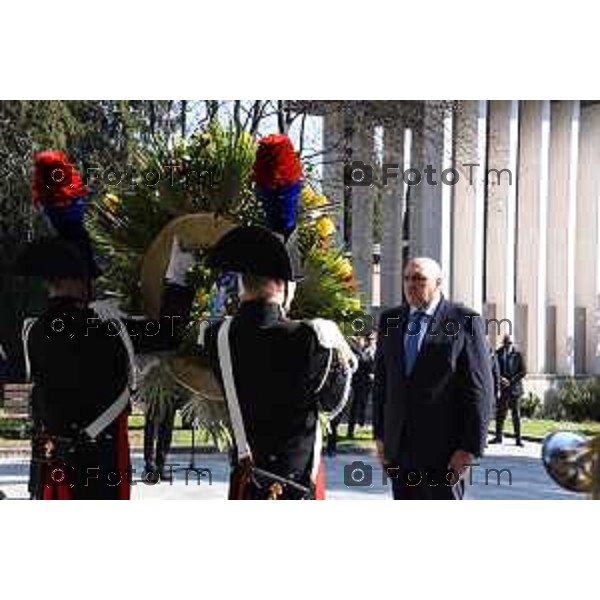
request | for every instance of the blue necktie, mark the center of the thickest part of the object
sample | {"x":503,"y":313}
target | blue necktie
{"x":411,"y":343}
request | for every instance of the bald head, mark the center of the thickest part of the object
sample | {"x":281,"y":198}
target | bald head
{"x":427,"y":266}
{"x":422,"y":281}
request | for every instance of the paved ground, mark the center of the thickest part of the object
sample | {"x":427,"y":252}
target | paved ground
{"x":529,"y":480}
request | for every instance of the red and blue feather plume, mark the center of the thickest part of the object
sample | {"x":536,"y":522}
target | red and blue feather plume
{"x":58,"y":189}
{"x":278,"y":177}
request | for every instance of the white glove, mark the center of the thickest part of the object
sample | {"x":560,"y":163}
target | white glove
{"x":179,"y":263}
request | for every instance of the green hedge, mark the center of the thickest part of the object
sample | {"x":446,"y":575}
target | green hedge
{"x":576,"y":401}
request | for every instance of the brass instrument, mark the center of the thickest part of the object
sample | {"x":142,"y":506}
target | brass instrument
{"x":573,"y":461}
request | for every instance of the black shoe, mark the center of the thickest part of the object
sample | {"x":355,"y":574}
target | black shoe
{"x":495,"y":440}
{"x":165,"y":474}
{"x":150,"y":475}
{"x":520,"y":443}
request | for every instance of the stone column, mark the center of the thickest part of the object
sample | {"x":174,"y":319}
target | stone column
{"x":562,"y":213}
{"x":392,"y":217}
{"x":363,"y":149}
{"x":532,"y":202}
{"x":469,"y":203}
{"x":587,"y":277}
{"x":503,"y":148}
{"x":333,"y":164}
{"x":430,"y":215}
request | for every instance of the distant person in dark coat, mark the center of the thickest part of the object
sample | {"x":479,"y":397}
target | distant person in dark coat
{"x":362,"y":384}
{"x":512,"y":372}
{"x":497,"y":379}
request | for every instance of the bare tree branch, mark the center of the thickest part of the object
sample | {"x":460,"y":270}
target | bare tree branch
{"x":212,"y":109}
{"x":236,"y":117}
{"x":259,"y":114}
{"x":183,"y":116}
{"x":280,"y":117}
{"x":302,"y":129}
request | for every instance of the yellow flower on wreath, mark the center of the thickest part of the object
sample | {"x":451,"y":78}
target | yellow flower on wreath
{"x":111,"y":202}
{"x":310,"y":199}
{"x":344,"y":268}
{"x":325,"y":227}
{"x":202,"y":296}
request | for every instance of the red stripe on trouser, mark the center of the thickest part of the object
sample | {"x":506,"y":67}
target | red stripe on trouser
{"x":54,"y":492}
{"x":123,"y":463}
{"x":320,"y":482}
{"x":64,"y":492}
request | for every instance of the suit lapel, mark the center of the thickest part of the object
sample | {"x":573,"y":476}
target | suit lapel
{"x":396,"y":341}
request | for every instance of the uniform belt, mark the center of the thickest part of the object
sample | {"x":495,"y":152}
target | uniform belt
{"x":63,"y":445}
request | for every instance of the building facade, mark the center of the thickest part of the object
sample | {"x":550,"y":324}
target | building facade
{"x":508,"y":203}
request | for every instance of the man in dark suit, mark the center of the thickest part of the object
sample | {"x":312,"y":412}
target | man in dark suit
{"x":433,"y":388}
{"x":496,"y":378}
{"x":512,"y":371}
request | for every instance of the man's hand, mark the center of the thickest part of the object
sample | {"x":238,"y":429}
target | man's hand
{"x":504,"y":382}
{"x":179,"y":263}
{"x":379,"y":450}
{"x":459,"y":462}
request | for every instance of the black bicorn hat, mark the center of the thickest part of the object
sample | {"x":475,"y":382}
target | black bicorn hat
{"x":52,"y":258}
{"x":69,"y":254}
{"x":255,"y":250}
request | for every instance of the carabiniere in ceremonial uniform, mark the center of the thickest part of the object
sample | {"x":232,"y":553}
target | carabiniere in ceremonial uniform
{"x":277,"y":373}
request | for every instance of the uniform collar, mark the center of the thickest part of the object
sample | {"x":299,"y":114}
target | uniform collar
{"x":56,"y":302}
{"x":261,"y":311}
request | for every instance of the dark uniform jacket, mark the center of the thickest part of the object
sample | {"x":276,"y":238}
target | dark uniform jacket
{"x":443,"y":405}
{"x":80,"y":372}
{"x":512,"y":367}
{"x":277,"y":368}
